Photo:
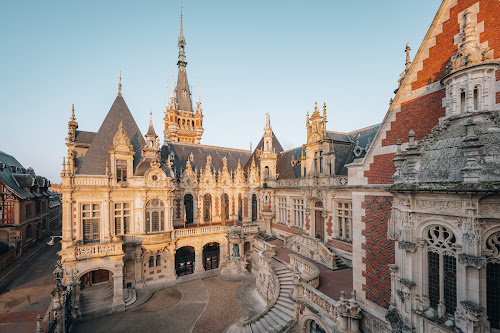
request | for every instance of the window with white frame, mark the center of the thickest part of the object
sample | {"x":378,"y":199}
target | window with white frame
{"x":155,"y":216}
{"x":122,"y":218}
{"x":343,"y":214}
{"x":282,"y":214}
{"x":121,"y":171}
{"x":318,"y":162}
{"x":298,"y":213}
{"x":91,"y":217}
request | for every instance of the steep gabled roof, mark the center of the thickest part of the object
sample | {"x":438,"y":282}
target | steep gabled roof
{"x":276,"y":147}
{"x":94,"y":162}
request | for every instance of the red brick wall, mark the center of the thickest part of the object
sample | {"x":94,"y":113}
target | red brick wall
{"x":497,"y":75}
{"x":439,"y":55}
{"x":381,"y":170}
{"x":498,"y":97}
{"x":420,"y":114}
{"x":379,"y":250}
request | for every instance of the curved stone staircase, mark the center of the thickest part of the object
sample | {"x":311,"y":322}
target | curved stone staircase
{"x":281,"y":314}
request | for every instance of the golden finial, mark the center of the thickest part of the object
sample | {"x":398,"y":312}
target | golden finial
{"x":120,"y":85}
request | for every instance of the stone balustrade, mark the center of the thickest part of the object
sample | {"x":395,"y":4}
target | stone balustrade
{"x":336,"y":181}
{"x":151,"y":239}
{"x":197,"y":231}
{"x":311,"y":248}
{"x":308,"y":271}
{"x":94,"y":181}
{"x":250,"y":229}
{"x":262,"y":245}
{"x":89,"y":251}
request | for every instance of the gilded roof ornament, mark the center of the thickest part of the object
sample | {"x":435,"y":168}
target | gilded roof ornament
{"x":120,"y":85}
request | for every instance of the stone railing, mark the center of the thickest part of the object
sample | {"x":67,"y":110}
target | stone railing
{"x":345,"y":313}
{"x":189,"y":232}
{"x":267,"y":283}
{"x":262,"y":245}
{"x":311,"y":248}
{"x":94,"y":181}
{"x":150,"y":239}
{"x":309,"y":273}
{"x":89,"y":251}
{"x":318,"y":181}
{"x":250,"y":229}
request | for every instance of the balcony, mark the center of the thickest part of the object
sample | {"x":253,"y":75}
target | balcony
{"x":90,"y":251}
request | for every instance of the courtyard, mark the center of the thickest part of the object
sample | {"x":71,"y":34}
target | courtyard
{"x":198,"y":306}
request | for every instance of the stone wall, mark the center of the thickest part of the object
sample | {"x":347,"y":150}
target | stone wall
{"x":371,"y":324}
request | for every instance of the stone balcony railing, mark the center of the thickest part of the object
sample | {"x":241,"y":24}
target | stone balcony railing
{"x":311,"y":248}
{"x":309,"y":273}
{"x":262,"y":245}
{"x":197,"y":231}
{"x":319,"y":181}
{"x":99,"y":250}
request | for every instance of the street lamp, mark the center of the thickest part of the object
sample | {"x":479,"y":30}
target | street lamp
{"x":51,"y":241}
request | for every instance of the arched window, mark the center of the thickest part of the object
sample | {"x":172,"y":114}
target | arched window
{"x":462,"y":101}
{"x":492,"y":278}
{"x":476,"y":98}
{"x":266,"y":172}
{"x":188,"y":208}
{"x":151,"y":262}
{"x":314,"y":327}
{"x":207,"y":207}
{"x":254,"y":207}
{"x":442,"y":266}
{"x":155,"y":216}
{"x":225,"y":207}
{"x":240,"y":208}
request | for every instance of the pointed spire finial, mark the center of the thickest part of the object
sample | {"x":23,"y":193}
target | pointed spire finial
{"x":120,"y":85}
{"x":198,"y":101}
{"x":181,"y":43}
{"x":408,"y":60}
{"x":73,"y":118}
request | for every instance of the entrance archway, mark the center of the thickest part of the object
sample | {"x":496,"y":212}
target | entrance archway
{"x":314,"y":327}
{"x":188,"y":206}
{"x":319,"y":222}
{"x":211,"y":255}
{"x":95,"y":277}
{"x":184,"y":261}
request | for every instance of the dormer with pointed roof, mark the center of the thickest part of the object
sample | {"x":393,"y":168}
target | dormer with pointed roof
{"x":182,"y":124}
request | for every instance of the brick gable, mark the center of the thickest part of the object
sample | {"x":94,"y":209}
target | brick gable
{"x":381,"y":170}
{"x":434,"y":66}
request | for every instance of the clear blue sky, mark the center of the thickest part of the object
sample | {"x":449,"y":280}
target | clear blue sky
{"x":251,"y":57}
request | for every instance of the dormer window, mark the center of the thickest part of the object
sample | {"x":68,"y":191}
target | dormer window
{"x":318,"y":161}
{"x":121,"y":171}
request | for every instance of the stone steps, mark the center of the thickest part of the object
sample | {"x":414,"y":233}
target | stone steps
{"x":129,"y":296}
{"x":282,"y":312}
{"x":96,"y":299}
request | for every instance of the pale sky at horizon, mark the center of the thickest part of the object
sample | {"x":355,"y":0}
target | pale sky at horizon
{"x":250,"y":57}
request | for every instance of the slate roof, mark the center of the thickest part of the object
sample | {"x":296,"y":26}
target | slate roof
{"x":20,"y":181}
{"x":344,"y":147}
{"x":94,"y":161}
{"x":83,"y":137}
{"x":260,"y":146}
{"x":181,"y":151}
{"x":182,"y":92}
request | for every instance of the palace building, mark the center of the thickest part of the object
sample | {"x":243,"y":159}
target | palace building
{"x":407,"y":211}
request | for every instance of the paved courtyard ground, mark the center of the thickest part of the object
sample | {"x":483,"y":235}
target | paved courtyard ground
{"x":199,"y":306}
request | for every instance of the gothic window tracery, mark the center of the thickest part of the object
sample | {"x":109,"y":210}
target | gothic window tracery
{"x":155,"y":216}
{"x":493,"y":280}
{"x":442,"y":269}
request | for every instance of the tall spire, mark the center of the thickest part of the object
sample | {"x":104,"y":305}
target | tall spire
{"x":181,"y":43}
{"x":120,"y":85}
{"x":73,"y":118}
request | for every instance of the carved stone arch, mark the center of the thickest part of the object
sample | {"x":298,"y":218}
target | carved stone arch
{"x":421,"y":226}
{"x":305,"y":321}
{"x":108,"y":267}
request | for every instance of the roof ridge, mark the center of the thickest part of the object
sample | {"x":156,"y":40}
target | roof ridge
{"x":209,"y":146}
{"x":354,"y":131}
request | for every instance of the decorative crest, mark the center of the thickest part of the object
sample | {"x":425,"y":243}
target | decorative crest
{"x":120,"y":85}
{"x":121,"y":142}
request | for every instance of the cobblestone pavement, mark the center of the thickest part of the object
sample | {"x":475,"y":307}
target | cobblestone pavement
{"x":203,"y":301}
{"x":26,"y":292}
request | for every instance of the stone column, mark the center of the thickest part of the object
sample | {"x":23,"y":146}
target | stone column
{"x":105,"y":219}
{"x":67,"y":220}
{"x":170,"y":256}
{"x":118,"y":303}
{"x":198,"y":266}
